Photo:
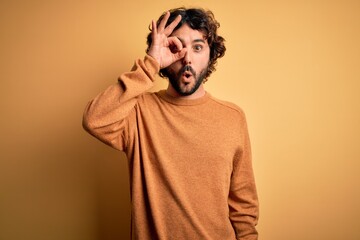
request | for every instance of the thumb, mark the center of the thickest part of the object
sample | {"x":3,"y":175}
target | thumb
{"x":181,"y":54}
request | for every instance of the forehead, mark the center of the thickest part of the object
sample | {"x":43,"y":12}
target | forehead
{"x":187,"y":34}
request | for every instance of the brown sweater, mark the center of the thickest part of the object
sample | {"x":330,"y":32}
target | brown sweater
{"x":190,"y":160}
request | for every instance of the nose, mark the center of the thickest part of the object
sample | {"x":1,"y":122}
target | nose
{"x":187,"y":58}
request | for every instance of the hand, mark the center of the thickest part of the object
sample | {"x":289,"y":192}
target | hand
{"x":166,"y":50}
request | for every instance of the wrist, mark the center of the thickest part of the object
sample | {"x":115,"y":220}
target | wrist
{"x":152,"y":63}
{"x":154,"y":56}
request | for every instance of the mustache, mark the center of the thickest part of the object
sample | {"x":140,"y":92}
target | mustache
{"x":189,"y":69}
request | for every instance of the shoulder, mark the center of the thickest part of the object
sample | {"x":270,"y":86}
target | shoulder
{"x":147,"y":98}
{"x":229,"y":107}
{"x":231,"y":116}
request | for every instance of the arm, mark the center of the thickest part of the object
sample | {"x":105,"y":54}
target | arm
{"x":243,"y":200}
{"x":105,"y":116}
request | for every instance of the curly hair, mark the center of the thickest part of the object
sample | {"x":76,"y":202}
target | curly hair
{"x":203,"y":21}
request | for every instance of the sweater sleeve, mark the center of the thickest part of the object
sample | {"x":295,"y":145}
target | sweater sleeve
{"x":105,"y":116}
{"x":243,"y":200}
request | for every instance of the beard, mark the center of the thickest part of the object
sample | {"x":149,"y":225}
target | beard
{"x":175,"y":80}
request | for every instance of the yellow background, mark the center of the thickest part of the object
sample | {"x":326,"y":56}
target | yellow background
{"x":293,"y":66}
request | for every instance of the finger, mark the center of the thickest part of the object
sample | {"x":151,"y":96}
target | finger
{"x":153,"y":30}
{"x":164,"y":21}
{"x":170,"y":28}
{"x":175,"y":43}
{"x":181,"y":54}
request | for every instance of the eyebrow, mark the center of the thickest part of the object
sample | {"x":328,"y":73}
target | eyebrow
{"x":194,"y":41}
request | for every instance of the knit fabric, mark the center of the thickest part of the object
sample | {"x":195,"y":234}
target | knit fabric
{"x":189,"y":160}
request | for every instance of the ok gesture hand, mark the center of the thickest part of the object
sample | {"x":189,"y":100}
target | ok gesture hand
{"x":166,"y":50}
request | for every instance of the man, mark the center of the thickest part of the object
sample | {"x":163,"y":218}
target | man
{"x":189,"y":154}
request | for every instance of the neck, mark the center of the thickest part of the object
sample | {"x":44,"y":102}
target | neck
{"x":200,"y":92}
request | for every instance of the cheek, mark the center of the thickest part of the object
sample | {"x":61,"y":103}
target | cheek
{"x":203,"y":60}
{"x":204,"y":63}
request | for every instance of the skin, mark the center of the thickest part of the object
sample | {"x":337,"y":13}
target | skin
{"x":174,"y":50}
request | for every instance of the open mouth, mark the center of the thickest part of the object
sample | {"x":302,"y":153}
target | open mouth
{"x":187,"y":75}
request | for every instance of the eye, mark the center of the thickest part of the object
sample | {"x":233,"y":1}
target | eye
{"x":198,"y":47}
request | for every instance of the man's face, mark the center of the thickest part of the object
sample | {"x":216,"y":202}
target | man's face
{"x":187,"y":74}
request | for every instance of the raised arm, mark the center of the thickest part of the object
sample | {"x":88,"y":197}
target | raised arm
{"x":105,"y":116}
